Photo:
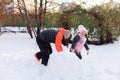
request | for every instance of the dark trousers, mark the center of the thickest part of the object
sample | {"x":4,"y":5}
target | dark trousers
{"x":78,"y":55}
{"x":45,"y":51}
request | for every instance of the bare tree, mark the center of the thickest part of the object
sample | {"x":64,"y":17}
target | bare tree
{"x":24,"y":14}
{"x":41,"y":10}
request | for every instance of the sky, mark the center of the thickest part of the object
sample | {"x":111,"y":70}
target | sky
{"x":88,"y":2}
{"x":55,"y":7}
{"x":17,"y":61}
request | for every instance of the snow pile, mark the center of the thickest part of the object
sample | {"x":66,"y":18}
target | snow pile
{"x":17,"y":61}
{"x":64,"y":66}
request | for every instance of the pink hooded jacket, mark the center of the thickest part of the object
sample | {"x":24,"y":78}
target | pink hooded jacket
{"x":80,"y":44}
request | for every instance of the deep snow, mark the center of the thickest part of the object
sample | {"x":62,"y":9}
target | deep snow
{"x":18,"y":63}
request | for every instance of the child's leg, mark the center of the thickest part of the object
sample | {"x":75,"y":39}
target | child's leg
{"x":79,"y":55}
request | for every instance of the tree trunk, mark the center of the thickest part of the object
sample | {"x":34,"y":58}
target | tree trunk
{"x":27,"y":19}
{"x":29,"y":31}
{"x":25,"y":16}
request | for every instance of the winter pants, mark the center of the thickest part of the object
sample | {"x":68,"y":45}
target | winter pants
{"x":78,"y":55}
{"x":45,"y":51}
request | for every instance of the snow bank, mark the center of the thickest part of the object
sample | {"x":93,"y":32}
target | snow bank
{"x":17,"y":61}
{"x":65,"y":66}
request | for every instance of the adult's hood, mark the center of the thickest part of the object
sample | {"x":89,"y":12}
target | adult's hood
{"x":65,"y":33}
{"x":62,"y":31}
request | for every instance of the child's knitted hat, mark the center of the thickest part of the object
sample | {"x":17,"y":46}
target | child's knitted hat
{"x":81,"y":29}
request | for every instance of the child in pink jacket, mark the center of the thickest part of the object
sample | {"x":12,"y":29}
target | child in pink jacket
{"x":79,"y":41}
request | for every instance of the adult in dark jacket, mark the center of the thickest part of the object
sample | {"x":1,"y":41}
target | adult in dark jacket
{"x":46,"y":37}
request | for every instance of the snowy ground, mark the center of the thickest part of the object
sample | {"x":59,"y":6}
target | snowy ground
{"x":17,"y":61}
